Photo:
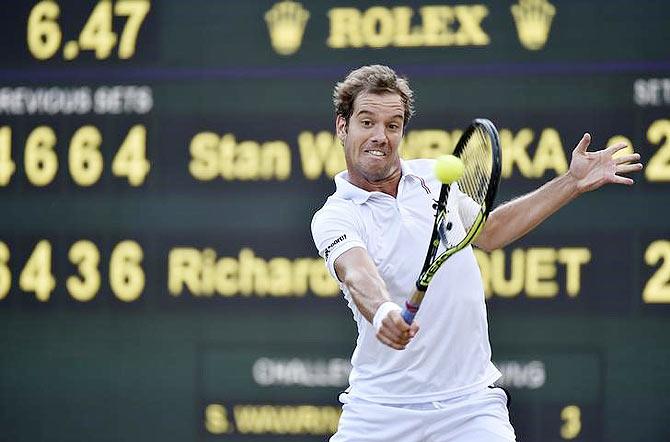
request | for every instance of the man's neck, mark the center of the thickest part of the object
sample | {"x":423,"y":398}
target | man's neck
{"x":388,"y":185}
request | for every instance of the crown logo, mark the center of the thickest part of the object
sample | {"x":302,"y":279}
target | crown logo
{"x":286,"y":23}
{"x":533,"y":22}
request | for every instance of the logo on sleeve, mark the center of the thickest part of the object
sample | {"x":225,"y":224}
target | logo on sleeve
{"x":333,"y":244}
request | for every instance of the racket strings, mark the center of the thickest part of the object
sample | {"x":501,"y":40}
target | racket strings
{"x":477,"y":158}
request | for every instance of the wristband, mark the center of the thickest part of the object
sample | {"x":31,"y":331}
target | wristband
{"x":382,"y":312}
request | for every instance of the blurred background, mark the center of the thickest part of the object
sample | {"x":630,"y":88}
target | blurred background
{"x":160,"y":163}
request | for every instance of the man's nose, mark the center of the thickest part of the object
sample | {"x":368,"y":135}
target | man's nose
{"x":379,"y":134}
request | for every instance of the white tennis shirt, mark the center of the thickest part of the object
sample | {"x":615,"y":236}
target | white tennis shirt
{"x":451,"y":354}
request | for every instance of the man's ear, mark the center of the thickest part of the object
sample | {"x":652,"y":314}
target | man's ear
{"x":341,"y":128}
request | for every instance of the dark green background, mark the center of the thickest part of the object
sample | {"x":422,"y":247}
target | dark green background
{"x":109,"y":371}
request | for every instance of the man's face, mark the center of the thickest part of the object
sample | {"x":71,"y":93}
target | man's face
{"x":372,"y":137}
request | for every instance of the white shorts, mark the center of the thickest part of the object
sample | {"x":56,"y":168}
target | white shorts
{"x":477,"y":417}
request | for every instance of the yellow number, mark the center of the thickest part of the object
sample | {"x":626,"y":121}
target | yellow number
{"x":85,"y":255}
{"x":657,"y":289}
{"x":5,"y":274}
{"x":658,"y":168}
{"x":97,"y":33}
{"x":136,"y":10}
{"x":572,"y":422}
{"x":36,"y":274}
{"x":125,"y":272}
{"x":44,"y":35}
{"x":7,"y":166}
{"x":84,"y":156}
{"x":131,"y":160}
{"x":40,"y":161}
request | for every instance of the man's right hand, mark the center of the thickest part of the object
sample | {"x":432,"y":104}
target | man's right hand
{"x":395,"y":332}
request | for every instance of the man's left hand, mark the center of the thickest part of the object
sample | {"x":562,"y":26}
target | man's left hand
{"x":592,"y":170}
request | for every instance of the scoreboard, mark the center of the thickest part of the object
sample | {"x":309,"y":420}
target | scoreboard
{"x":160,"y":162}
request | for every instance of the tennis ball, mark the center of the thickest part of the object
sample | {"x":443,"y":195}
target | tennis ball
{"x":448,"y":169}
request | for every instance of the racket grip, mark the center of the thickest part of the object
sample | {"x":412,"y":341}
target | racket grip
{"x":409,"y":312}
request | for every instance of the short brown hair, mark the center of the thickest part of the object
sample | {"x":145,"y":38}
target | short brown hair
{"x":376,"y":79}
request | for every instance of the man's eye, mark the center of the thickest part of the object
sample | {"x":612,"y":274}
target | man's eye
{"x":366,"y":123}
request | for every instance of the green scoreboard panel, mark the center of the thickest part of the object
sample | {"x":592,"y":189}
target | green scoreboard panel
{"x":160,"y":162}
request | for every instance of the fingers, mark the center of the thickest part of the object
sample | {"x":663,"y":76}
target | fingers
{"x":583,"y":143}
{"x":390,"y":342}
{"x":614,"y":148}
{"x":408,"y":331}
{"x":624,"y":164}
{"x":623,"y":180}
{"x":628,"y":168}
{"x":413,"y":329}
{"x":627,"y":158}
{"x":395,"y":332}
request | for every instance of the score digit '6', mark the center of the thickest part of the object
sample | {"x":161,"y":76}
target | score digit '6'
{"x":125,"y":274}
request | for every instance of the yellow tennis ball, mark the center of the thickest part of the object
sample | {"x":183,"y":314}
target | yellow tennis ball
{"x":448,"y":169}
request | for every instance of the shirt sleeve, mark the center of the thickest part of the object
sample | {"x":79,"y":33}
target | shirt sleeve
{"x":335,"y":231}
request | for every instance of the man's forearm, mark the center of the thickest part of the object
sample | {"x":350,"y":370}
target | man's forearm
{"x":515,"y":218}
{"x":368,"y":293}
{"x":362,"y":280}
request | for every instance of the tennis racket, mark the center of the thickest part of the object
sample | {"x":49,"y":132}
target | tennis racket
{"x":479,"y":149}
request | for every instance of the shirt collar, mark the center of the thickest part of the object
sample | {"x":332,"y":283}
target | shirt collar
{"x":346,"y":190}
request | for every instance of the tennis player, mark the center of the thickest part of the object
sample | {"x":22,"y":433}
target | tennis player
{"x":373,"y":232}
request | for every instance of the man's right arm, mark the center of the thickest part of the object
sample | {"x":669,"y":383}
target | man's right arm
{"x":358,"y":274}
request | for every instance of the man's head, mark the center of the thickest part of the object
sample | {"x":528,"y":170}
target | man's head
{"x":373,"y":105}
{"x":377,"y":79}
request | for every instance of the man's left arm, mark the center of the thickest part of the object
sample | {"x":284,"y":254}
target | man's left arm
{"x":588,"y":171}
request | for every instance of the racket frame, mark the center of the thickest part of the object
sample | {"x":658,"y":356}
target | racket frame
{"x":433,"y":263}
